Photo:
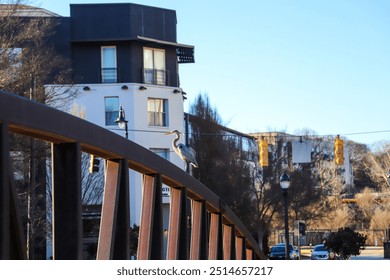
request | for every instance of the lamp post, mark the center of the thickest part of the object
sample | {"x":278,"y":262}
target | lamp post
{"x":122,"y":122}
{"x":284,"y":184}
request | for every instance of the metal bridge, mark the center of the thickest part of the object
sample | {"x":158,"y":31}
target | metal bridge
{"x":216,"y":233}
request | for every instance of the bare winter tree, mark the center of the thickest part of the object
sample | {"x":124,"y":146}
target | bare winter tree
{"x":28,"y":62}
{"x":340,"y":217}
{"x":268,"y":205}
{"x":27,"y":58}
{"x":316,"y":190}
{"x":366,"y":205}
{"x":92,"y":188}
{"x":222,"y":166}
{"x":358,"y":154}
{"x":377,"y":165}
{"x":305,"y":198}
{"x":381,"y":217}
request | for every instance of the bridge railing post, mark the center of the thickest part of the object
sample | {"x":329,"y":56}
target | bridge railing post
{"x":115,"y":222}
{"x":240,"y":248}
{"x":229,"y":246}
{"x":215,"y":237}
{"x":151,"y":230}
{"x":67,"y":205}
{"x":178,"y":228}
{"x":4,"y":194}
{"x":199,"y":231}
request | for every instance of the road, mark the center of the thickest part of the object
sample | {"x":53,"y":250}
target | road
{"x":370,"y":253}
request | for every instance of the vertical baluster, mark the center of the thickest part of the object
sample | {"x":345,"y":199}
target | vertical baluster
{"x":215,"y":239}
{"x":151,"y":228}
{"x":67,"y":205}
{"x":229,"y":252}
{"x":122,"y":235}
{"x":4,"y":194}
{"x":249,"y":254}
{"x":177,"y":232}
{"x":12,"y":240}
{"x":240,"y":248}
{"x":114,"y":226}
{"x":199,"y":239}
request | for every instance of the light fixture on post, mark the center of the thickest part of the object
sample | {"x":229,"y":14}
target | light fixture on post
{"x":176,"y":90}
{"x":125,"y":87}
{"x":285,"y":184}
{"x":142,"y":88}
{"x":122,"y":122}
{"x":86,"y":88}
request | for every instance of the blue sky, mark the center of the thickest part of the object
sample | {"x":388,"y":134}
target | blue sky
{"x":285,"y":65}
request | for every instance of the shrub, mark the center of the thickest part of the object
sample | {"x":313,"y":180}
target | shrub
{"x":346,"y":242}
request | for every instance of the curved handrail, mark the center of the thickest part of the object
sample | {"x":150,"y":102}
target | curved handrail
{"x":37,"y":120}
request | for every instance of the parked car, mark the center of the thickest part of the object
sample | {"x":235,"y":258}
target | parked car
{"x":296,"y":253}
{"x":320,"y":252}
{"x":278,"y":252}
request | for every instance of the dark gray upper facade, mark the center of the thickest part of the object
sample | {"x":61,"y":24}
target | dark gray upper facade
{"x":121,"y":22}
{"x":124,"y":30}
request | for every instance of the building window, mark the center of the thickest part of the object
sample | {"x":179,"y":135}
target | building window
{"x":164,"y":153}
{"x":154,"y":66}
{"x":157,"y":112}
{"x":109,"y":70}
{"x":111,"y":105}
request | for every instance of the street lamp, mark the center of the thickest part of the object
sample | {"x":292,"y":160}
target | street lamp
{"x":122,"y":122}
{"x":284,"y":184}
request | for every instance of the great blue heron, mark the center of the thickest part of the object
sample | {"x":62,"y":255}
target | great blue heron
{"x":184,"y":152}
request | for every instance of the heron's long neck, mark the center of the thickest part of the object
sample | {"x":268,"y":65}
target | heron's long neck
{"x":175,"y":140}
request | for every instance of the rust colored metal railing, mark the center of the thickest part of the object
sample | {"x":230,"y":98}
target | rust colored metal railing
{"x":216,"y":233}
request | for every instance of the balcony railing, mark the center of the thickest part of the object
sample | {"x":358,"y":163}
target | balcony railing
{"x":109,"y":75}
{"x":155,"y":76}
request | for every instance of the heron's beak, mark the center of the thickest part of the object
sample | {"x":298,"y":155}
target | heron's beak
{"x":167,"y":133}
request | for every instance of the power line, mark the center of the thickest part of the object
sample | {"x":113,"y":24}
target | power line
{"x":367,"y":132}
{"x":230,"y":134}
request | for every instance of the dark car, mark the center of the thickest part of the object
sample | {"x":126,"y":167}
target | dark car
{"x":278,"y":252}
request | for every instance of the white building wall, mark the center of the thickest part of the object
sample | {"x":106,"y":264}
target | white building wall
{"x":135,"y":104}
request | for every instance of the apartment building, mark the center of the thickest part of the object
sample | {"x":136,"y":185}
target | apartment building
{"x":126,"y":56}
